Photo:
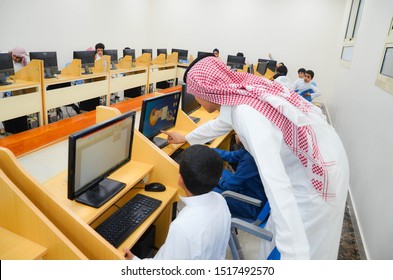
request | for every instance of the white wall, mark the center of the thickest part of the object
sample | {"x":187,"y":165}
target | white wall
{"x":362,"y":114}
{"x":301,"y":33}
{"x":65,"y":26}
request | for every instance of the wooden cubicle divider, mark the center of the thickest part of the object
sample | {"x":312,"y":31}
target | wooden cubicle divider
{"x":104,"y":113}
{"x":125,"y":62}
{"x":73,"y":68}
{"x":33,"y":72}
{"x":143,"y":60}
{"x":82,"y":235}
{"x":159,"y":60}
{"x":172,"y":58}
{"x":26,"y":233}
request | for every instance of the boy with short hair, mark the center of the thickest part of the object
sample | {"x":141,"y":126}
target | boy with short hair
{"x":201,"y":230}
{"x":305,"y":87}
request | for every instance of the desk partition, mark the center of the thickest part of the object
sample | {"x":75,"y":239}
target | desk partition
{"x":26,"y":93}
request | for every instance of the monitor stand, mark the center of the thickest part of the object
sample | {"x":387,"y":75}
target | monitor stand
{"x":160,"y":142}
{"x":3,"y":80}
{"x":97,"y":195}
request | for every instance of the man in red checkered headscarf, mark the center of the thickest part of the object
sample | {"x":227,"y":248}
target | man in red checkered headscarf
{"x":300,"y":158}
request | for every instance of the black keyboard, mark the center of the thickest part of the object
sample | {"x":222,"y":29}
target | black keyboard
{"x":124,"y":221}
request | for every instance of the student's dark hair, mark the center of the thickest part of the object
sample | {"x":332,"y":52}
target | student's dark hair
{"x":193,"y":63}
{"x":301,"y":70}
{"x":311,"y":73}
{"x":216,"y":50}
{"x":100,"y":46}
{"x":200,"y":168}
{"x":240,"y":54}
{"x":282,"y":69}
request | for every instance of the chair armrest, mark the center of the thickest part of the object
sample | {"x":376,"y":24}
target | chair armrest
{"x":252,"y":229}
{"x":242,"y":197}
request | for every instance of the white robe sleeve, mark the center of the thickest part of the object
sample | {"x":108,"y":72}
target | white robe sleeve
{"x":265,"y":142}
{"x":208,"y":131}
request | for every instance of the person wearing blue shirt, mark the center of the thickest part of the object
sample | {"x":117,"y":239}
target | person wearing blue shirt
{"x":245,"y":180}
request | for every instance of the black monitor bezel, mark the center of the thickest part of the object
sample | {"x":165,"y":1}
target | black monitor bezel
{"x":235,"y":61}
{"x":150,"y":51}
{"x":181,"y":54}
{"x":113,"y":53}
{"x":7,"y":64}
{"x":201,"y":53}
{"x":84,"y":55}
{"x":143,"y":116}
{"x":162,"y":51}
{"x":272,"y":64}
{"x":130,"y":52}
{"x":184,"y":108}
{"x":262,"y":66}
{"x":43,"y":56}
{"x":71,"y":192}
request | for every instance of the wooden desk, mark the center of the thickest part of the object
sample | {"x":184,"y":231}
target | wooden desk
{"x":159,"y":73}
{"x":128,"y":76}
{"x":26,"y":93}
{"x":89,"y":86}
{"x":76,"y":220}
{"x":181,"y":69}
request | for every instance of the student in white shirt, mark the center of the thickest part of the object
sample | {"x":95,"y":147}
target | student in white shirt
{"x":300,"y":158}
{"x":201,"y":230}
{"x":305,"y":86}
{"x":20,"y":58}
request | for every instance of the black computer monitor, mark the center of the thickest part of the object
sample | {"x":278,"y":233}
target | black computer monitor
{"x":6,"y":68}
{"x":272,"y":64}
{"x":200,"y":53}
{"x":130,"y":52}
{"x":236,"y":62}
{"x":262,"y":67}
{"x":50,"y":62}
{"x":114,"y":57}
{"x":189,"y":103}
{"x":182,"y":54}
{"x":160,"y":51}
{"x":6,"y":64}
{"x":87,"y":59}
{"x":150,"y":51}
{"x":96,"y":152}
{"x":157,"y":114}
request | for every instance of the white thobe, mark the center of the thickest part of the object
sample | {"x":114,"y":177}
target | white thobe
{"x":200,"y":232}
{"x":304,"y":225}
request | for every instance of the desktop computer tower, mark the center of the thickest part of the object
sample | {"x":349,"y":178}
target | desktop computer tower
{"x":90,"y":104}
{"x":16,"y":125}
{"x":145,"y":247}
{"x":133,"y":92}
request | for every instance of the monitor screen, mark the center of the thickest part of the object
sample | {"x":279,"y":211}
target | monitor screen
{"x":160,"y":51}
{"x":93,"y":154}
{"x":159,"y":113}
{"x":236,"y":62}
{"x":50,"y":62}
{"x":272,"y":64}
{"x":6,"y":64}
{"x":112,"y":54}
{"x":130,"y":52}
{"x":200,"y":54}
{"x":182,"y":54}
{"x":262,"y":66}
{"x":87,"y":57}
{"x":150,"y":51}
{"x":189,"y":103}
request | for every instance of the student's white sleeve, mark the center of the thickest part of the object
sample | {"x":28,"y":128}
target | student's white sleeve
{"x":208,"y":131}
{"x":177,"y":246}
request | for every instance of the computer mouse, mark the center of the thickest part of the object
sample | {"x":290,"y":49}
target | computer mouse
{"x":155,"y":187}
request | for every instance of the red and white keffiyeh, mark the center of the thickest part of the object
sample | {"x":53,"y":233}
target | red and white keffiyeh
{"x":211,"y":80}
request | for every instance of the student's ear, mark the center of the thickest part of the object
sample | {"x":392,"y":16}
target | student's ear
{"x":180,"y":181}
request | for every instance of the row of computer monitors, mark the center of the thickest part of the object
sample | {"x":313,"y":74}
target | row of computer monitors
{"x":87,"y":58}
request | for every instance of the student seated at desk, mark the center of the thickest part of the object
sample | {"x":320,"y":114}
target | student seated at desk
{"x":201,"y":230}
{"x":245,"y":180}
{"x":306,"y":88}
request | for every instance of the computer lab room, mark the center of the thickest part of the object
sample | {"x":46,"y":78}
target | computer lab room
{"x":107,"y":108}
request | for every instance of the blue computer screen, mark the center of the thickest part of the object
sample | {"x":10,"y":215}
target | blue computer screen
{"x":159,"y":113}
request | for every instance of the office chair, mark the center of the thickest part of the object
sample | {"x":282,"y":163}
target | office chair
{"x":254,"y":227}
